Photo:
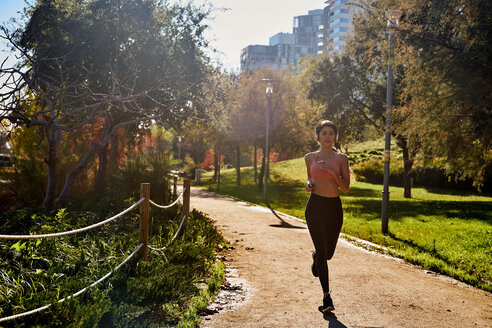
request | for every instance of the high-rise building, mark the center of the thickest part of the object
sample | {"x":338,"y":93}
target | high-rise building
{"x":281,"y":53}
{"x":306,"y":30}
{"x":338,"y":21}
{"x":319,"y":31}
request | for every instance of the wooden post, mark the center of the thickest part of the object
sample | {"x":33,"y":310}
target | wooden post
{"x":144,"y":219}
{"x":186,"y":200}
{"x":175,"y":187}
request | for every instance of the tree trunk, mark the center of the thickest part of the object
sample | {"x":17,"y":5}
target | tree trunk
{"x":113,"y":152}
{"x":73,"y":173}
{"x":63,"y":197}
{"x":238,"y":165}
{"x":102,"y":170}
{"x":255,"y":162}
{"x":262,"y":172}
{"x":214,"y":178}
{"x":217,"y":164}
{"x":53,"y":136}
{"x":408,"y":160}
{"x":218,"y":174}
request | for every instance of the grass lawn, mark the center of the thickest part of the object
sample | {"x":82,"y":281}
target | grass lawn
{"x":442,"y":230}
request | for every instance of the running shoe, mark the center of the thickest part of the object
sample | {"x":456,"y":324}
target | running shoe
{"x":327,"y":305}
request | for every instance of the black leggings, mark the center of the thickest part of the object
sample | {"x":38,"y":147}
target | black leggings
{"x":324,"y":218}
{"x":322,"y":267}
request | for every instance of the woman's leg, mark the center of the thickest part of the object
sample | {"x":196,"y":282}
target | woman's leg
{"x":322,"y":266}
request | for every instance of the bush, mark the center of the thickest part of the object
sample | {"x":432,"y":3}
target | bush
{"x":148,"y":167}
{"x":189,"y":167}
{"x":372,"y":170}
{"x":141,"y":294}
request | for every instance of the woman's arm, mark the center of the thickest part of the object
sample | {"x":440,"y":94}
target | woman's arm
{"x":343,"y":181}
{"x":309,"y":185}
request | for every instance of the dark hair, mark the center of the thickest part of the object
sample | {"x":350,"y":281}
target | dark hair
{"x":325,"y":123}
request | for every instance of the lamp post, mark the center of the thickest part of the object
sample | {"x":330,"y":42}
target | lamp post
{"x":269,"y":92}
{"x":393,"y":16}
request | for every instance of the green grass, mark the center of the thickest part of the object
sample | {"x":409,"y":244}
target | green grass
{"x":445,"y":231}
{"x":162,"y":291}
{"x":192,"y":318}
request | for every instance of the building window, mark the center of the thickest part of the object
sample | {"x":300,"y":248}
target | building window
{"x":340,"y":2}
{"x":341,"y":11}
{"x":341,"y":29}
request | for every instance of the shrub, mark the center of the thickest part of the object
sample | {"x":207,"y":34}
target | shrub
{"x":372,"y":170}
{"x":141,"y":294}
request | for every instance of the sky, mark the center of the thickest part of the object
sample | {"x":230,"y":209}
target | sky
{"x":243,"y":22}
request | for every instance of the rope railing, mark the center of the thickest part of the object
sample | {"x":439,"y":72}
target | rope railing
{"x":20,"y":315}
{"x":144,"y":203}
{"x":175,"y":235}
{"x":71,"y":232}
{"x":170,"y":205}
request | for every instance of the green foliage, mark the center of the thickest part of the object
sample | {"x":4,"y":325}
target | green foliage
{"x":29,"y":177}
{"x":349,"y":94}
{"x":80,"y":56}
{"x":141,"y":294}
{"x":152,"y":164}
{"x":292,"y":118}
{"x":372,"y":170}
{"x":189,"y":166}
{"x":191,"y":318}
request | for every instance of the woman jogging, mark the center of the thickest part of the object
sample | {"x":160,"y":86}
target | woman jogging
{"x":327,"y":171}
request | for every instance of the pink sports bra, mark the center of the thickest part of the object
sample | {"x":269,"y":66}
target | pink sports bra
{"x":318,"y":173}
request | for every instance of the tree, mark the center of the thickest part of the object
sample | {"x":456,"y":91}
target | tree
{"x":448,"y":83}
{"x":292,"y":120}
{"x":122,"y":61}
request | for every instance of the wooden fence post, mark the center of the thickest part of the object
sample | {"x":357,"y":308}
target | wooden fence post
{"x":186,"y":200}
{"x":144,"y":219}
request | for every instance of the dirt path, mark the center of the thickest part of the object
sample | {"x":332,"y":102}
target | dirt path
{"x":368,"y":289}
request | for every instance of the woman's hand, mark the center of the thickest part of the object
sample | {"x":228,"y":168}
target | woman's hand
{"x":309,"y":187}
{"x":326,"y":167}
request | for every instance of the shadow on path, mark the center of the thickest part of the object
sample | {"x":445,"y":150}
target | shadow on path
{"x":283,"y":224}
{"x":333,"y":321}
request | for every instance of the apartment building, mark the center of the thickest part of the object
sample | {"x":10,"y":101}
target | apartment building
{"x":281,"y":53}
{"x":321,"y":30}
{"x":338,"y":18}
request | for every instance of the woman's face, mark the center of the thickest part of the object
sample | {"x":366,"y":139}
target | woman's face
{"x":327,"y":136}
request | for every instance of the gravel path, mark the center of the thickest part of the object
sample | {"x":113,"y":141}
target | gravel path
{"x":272,"y":259}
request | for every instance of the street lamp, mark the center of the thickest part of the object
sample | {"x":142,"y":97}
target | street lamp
{"x":393,"y":16}
{"x":269,"y":92}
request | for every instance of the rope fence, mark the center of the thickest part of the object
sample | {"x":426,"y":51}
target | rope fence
{"x":72,"y":232}
{"x":144,"y":203}
{"x":175,"y":235}
{"x":167,"y":206}
{"x":20,"y":315}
